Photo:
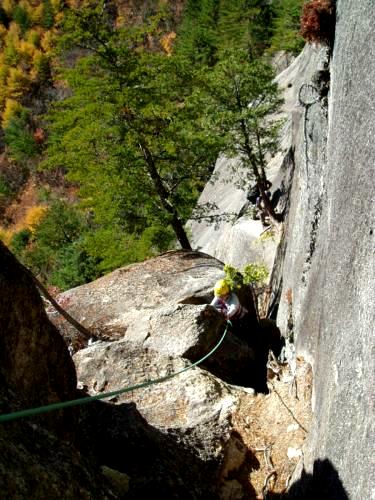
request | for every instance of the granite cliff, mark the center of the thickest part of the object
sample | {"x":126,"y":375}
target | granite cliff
{"x":323,"y":270}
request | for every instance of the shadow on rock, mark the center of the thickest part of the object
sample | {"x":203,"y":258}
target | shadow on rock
{"x":324,"y":483}
{"x":153,"y":463}
{"x":261,"y":339}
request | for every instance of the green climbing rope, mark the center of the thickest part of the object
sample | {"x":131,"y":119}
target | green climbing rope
{"x":76,"y":402}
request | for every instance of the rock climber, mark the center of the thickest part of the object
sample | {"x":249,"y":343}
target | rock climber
{"x":228,"y":304}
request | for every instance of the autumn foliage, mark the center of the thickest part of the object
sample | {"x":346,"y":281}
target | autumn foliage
{"x":318,"y":21}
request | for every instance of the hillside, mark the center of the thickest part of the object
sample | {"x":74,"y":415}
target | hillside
{"x":39,"y":184}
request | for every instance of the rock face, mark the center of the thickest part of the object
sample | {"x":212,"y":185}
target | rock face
{"x":162,"y":304}
{"x":191,"y":413}
{"x":34,"y":362}
{"x":122,"y":302}
{"x":36,"y":369}
{"x":157,"y":317}
{"x":325,"y":268}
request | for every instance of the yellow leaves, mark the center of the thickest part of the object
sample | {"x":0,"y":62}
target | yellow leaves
{"x":8,"y":6}
{"x":36,"y":14}
{"x":57,"y":5}
{"x":167,"y":42}
{"x":34,"y":216}
{"x":14,"y":32}
{"x":12,"y":108}
{"x":32,"y":219}
{"x":26,"y":50}
{"x":3,"y":33}
{"x":46,"y":41}
{"x":6,"y":235}
{"x":17,"y":83}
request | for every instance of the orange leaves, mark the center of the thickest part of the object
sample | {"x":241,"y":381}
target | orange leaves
{"x":318,"y":21}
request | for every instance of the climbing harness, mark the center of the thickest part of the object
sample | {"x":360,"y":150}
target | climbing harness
{"x":76,"y":402}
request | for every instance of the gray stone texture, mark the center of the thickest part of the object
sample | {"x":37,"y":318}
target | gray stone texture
{"x":34,"y":362}
{"x":325,"y":267}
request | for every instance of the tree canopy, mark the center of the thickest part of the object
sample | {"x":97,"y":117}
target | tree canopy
{"x":244,"y":100}
{"x":147,"y":107}
{"x":130,"y":128}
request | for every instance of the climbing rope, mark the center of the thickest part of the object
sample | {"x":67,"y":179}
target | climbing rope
{"x":76,"y":402}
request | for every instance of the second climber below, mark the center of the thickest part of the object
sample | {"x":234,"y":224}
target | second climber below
{"x":228,"y":304}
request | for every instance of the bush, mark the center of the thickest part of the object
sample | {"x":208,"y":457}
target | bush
{"x":318,"y":21}
{"x":253,"y":274}
{"x":18,"y":138}
{"x":21,"y":17}
{"x":5,"y":188}
{"x":19,"y":241}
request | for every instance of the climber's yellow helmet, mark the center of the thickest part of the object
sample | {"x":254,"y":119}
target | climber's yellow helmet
{"x":221,"y":288}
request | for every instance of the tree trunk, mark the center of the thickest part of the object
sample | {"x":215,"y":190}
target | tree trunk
{"x":176,"y":222}
{"x":259,"y":176}
{"x":267,"y":204}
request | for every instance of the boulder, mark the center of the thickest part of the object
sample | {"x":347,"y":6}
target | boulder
{"x":188,"y":417}
{"x":120,"y":303}
{"x":36,"y":369}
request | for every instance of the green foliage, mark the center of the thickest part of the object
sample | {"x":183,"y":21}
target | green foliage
{"x":55,"y":250}
{"x":73,"y":267}
{"x":286,"y":26}
{"x":241,"y":97}
{"x":48,"y":16}
{"x":18,"y":138}
{"x":19,"y":241}
{"x":130,"y":131}
{"x":245,"y":24}
{"x":197,"y":36}
{"x":253,"y":274}
{"x":209,"y":28}
{"x":21,"y":17}
{"x":11,"y":57}
{"x":5,"y":188}
{"x":233,"y":277}
{"x":62,"y":226}
{"x":42,"y":67}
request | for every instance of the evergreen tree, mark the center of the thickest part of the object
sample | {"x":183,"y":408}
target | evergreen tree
{"x":198,"y":37}
{"x":242,"y":96}
{"x":286,"y":26}
{"x":129,"y":131}
{"x":245,"y":24}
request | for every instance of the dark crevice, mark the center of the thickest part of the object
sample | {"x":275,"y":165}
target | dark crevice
{"x":313,"y":235}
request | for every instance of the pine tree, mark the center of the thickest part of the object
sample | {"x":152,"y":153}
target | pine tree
{"x":129,"y":128}
{"x":241,"y":99}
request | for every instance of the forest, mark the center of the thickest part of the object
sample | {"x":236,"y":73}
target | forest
{"x":117,"y":114}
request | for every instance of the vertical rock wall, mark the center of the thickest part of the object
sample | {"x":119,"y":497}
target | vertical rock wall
{"x":35,"y":366}
{"x":325,"y":271}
